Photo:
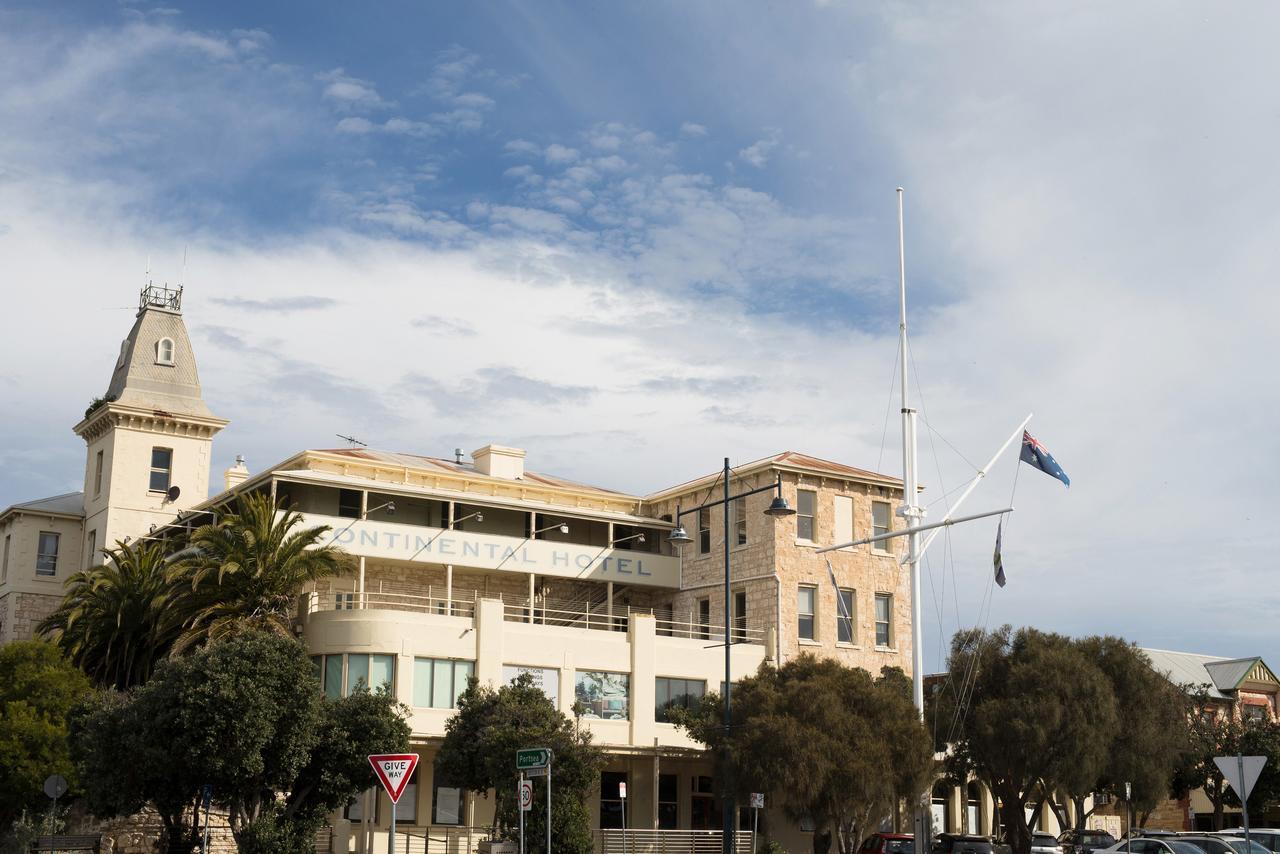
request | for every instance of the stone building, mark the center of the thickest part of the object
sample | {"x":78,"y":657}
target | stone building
{"x":482,"y":567}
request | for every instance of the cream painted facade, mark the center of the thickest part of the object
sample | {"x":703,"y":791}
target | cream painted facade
{"x":482,"y":567}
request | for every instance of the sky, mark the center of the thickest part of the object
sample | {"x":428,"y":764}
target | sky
{"x":634,"y":238}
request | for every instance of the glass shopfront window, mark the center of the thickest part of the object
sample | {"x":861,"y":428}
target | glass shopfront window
{"x":603,"y":695}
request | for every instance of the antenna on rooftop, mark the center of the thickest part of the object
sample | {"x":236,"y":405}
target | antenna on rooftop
{"x":354,"y":441}
{"x":148,"y":274}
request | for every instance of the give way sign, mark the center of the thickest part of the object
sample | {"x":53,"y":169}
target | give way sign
{"x":1240,"y":772}
{"x":394,"y":770}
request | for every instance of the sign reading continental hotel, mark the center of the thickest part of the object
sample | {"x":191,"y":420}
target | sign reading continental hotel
{"x":488,"y":551}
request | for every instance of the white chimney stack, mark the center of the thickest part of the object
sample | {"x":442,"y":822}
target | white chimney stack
{"x":237,"y":474}
{"x":499,"y":461}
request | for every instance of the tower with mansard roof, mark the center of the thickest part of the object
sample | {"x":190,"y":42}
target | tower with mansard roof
{"x":149,"y":438}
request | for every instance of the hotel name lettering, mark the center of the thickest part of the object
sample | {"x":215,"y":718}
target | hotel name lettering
{"x":486,"y":551}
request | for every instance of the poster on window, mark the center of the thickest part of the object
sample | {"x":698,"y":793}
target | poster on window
{"x":545,"y":678}
{"x":602,"y":695}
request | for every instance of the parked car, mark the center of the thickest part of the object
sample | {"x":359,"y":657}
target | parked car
{"x":1215,"y":844}
{"x":959,"y":843}
{"x":1041,"y":843}
{"x":1084,"y":841}
{"x":888,"y":843}
{"x":1267,"y":837}
{"x":1163,"y":844}
{"x":1152,"y":833}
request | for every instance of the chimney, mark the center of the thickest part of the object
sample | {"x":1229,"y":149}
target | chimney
{"x":237,"y":474}
{"x":498,"y":461}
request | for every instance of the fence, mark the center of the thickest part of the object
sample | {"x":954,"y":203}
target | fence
{"x":667,"y":842}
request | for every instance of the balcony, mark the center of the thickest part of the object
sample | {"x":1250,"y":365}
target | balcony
{"x":546,"y":612}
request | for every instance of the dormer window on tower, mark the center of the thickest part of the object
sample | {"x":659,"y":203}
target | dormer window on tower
{"x":164,"y":352}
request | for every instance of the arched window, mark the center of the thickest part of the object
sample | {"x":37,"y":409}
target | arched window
{"x":973,"y":808}
{"x":164,"y":351}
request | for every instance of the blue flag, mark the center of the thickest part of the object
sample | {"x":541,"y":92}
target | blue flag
{"x":997,"y":560}
{"x":1035,"y":455}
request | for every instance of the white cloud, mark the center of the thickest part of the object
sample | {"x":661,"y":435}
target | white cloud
{"x":757,"y":153}
{"x":692,"y":130}
{"x":558,"y":154}
{"x":350,"y":93}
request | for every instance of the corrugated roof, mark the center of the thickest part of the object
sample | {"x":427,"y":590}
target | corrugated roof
{"x":1228,"y":675}
{"x":436,"y":463}
{"x":1189,"y":668}
{"x":786,"y":458}
{"x":67,"y":504}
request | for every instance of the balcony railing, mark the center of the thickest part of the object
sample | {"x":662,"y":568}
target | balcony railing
{"x":667,"y":841}
{"x":577,"y":614}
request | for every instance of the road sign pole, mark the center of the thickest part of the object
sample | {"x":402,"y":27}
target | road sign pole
{"x":548,"y":808}
{"x":391,"y":840}
{"x":755,"y":827}
{"x":520,"y":808}
{"x":1244,"y":803}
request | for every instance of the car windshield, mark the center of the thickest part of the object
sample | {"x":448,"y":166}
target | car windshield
{"x":900,"y":846}
{"x":1180,"y":847}
{"x":1043,"y":839}
{"x":1103,"y":839}
{"x":1250,"y":847}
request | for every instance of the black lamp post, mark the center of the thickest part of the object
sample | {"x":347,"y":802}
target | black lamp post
{"x":777,"y":507}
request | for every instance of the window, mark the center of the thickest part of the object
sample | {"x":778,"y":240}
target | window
{"x":611,"y":800}
{"x":438,"y":682}
{"x":880,"y":524}
{"x":372,"y":672}
{"x":842,"y":523}
{"x":806,"y":501}
{"x":349,"y":503}
{"x":92,"y":549}
{"x":446,"y":799}
{"x":805,"y":604}
{"x":97,"y":475}
{"x":4,"y":566}
{"x":704,"y":531}
{"x":973,"y":800}
{"x":740,"y":520}
{"x":161,"y":466}
{"x":676,"y":694}
{"x":407,"y":806}
{"x":47,"y":554}
{"x":164,"y":351}
{"x":884,"y":619}
{"x":668,"y":798}
{"x":344,"y":601}
{"x":844,"y":616}
{"x":1254,"y":713}
{"x":702,"y":805}
{"x":603,"y":695}
{"x":704,"y":619}
{"x":355,"y":809}
{"x":740,"y":615}
{"x":545,"y":679}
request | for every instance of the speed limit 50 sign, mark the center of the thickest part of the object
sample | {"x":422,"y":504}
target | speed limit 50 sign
{"x":526,"y":795}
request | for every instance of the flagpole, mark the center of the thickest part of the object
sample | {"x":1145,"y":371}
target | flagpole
{"x":912,"y":513}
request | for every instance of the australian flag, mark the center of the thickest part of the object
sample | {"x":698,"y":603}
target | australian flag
{"x":1035,"y":455}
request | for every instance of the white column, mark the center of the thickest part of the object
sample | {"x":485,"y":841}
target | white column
{"x":531,"y":581}
{"x":360,"y":586}
{"x":448,"y":589}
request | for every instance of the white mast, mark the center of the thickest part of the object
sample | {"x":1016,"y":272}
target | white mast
{"x":910,"y":510}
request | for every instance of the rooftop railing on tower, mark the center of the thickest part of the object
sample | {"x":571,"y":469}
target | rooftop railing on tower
{"x":161,"y":296}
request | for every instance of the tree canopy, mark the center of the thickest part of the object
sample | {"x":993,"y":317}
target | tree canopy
{"x":118,"y":619}
{"x":825,"y":741}
{"x":245,"y":716}
{"x":479,"y":753}
{"x":38,"y":691}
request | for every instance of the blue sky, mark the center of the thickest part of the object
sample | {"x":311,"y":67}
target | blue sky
{"x":635,"y":237}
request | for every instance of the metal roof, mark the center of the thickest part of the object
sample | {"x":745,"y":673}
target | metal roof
{"x":467,"y":469}
{"x":787,"y":460}
{"x":67,"y":504}
{"x":1188,"y":668}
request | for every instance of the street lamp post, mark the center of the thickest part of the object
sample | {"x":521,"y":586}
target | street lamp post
{"x":778,"y":507}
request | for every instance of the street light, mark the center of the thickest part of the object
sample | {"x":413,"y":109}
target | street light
{"x":679,"y":536}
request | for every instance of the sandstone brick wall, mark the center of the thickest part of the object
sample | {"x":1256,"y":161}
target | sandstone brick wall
{"x":26,"y":612}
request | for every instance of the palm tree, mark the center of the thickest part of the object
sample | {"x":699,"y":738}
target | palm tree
{"x":246,"y":570}
{"x":116,"y":621}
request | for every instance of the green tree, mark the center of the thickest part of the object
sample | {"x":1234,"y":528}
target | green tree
{"x":479,"y":752}
{"x":1028,"y":713}
{"x":38,"y":691}
{"x":245,"y":571}
{"x":828,"y":742}
{"x":1216,"y":731}
{"x":245,"y":716}
{"x":1150,"y":736}
{"x":117,"y":620}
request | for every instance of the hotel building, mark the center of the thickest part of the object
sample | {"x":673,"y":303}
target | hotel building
{"x":480,"y":567}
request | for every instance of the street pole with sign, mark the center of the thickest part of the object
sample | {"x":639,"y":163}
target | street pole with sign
{"x":757,"y":801}
{"x":55,"y":786}
{"x":394,"y":771}
{"x":537,"y":760}
{"x":1241,"y":773}
{"x":1128,"y":811}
